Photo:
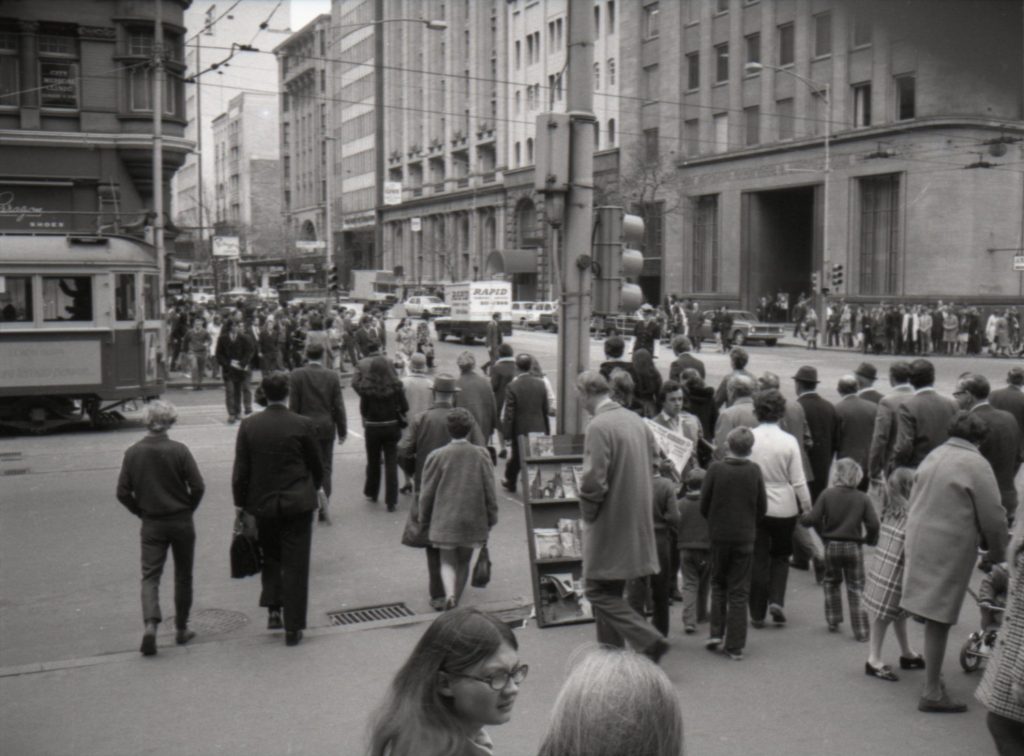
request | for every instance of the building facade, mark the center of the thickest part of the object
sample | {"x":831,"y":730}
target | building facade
{"x":76,"y":141}
{"x":921,"y":104}
{"x":247,"y":173}
{"x":213,"y":28}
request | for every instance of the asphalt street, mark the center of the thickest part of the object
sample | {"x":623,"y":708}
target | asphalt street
{"x":72,"y":681}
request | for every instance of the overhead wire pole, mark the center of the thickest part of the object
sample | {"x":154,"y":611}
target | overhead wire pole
{"x":378,"y":135}
{"x":158,"y":151}
{"x":574,"y":335}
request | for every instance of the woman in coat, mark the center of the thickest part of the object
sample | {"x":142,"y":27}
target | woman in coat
{"x":954,"y":506}
{"x":383,"y":407}
{"x":458,"y":506}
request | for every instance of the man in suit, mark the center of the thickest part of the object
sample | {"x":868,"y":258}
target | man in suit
{"x":856,"y":416}
{"x":1003,"y":446}
{"x":616,"y":500}
{"x":883,"y":438}
{"x":235,"y":350}
{"x":502,"y":372}
{"x":526,"y":411}
{"x":681,"y":345}
{"x":614,"y":348}
{"x":740,"y":411}
{"x":315,"y":392}
{"x":278,"y":469}
{"x":1011,"y":398}
{"x":429,"y":431}
{"x":866,"y":375}
{"x":824,"y":427}
{"x":923,"y":420}
{"x":493,"y":338}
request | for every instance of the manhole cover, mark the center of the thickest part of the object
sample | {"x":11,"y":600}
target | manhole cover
{"x":369,"y":614}
{"x":213,"y":621}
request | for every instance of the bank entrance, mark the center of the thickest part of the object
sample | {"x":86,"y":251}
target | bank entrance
{"x":781,"y":243}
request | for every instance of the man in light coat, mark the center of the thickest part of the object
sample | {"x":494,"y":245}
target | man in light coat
{"x":616,"y":501}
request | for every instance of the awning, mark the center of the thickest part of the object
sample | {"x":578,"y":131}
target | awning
{"x":512,"y":261}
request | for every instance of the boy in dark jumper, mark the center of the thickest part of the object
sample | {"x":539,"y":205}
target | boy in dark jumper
{"x":838,"y":515}
{"x":666,"y":517}
{"x":733,"y":500}
{"x":694,"y":553}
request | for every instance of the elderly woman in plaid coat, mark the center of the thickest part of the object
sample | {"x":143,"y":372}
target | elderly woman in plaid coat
{"x":884,"y":586}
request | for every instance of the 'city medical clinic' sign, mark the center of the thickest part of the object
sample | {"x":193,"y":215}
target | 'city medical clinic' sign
{"x":59,"y":81}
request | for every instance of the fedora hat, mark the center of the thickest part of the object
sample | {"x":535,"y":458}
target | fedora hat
{"x":867,"y":370}
{"x":445,"y":383}
{"x":807,"y":374}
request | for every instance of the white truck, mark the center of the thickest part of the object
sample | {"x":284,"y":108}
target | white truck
{"x":473,"y":305}
{"x":374,"y":287}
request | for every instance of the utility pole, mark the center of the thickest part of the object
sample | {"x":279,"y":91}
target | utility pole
{"x":329,"y":249}
{"x":158,"y":150}
{"x":378,"y":134}
{"x":574,"y":334}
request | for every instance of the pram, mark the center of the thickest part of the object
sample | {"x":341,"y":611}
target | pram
{"x":979,"y":644}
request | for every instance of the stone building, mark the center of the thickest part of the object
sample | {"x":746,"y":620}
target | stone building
{"x":76,"y":119}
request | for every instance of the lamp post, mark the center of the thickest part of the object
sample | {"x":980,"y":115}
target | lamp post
{"x":824,"y":91}
{"x":378,"y":107}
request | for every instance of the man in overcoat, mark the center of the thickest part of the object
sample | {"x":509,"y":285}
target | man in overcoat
{"x":923,"y":420}
{"x":315,"y":392}
{"x":883,"y":438}
{"x":681,"y":345}
{"x":278,"y":469}
{"x":824,"y":426}
{"x":493,"y":338}
{"x":235,"y":350}
{"x":616,"y":500}
{"x":526,"y":411}
{"x":475,"y":395}
{"x":856,"y":424}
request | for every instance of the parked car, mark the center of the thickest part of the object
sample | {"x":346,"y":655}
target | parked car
{"x":231,"y":296}
{"x":745,"y":327}
{"x":537,"y":311}
{"x":520,"y":312}
{"x":425,"y":307}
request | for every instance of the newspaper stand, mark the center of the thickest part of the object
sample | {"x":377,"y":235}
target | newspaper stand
{"x":549,"y":479}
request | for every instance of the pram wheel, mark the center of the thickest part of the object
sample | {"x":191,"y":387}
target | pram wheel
{"x":970,"y":653}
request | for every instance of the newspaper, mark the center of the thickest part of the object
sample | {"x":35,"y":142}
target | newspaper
{"x":673,"y":445}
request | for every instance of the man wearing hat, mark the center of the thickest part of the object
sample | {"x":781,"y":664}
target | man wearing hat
{"x":526,"y":411}
{"x":866,"y":375}
{"x":429,"y":431}
{"x":824,"y":427}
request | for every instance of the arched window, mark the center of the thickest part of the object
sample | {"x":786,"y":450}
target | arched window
{"x":611,"y":132}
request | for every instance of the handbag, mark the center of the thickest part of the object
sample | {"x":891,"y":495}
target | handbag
{"x":246,"y":558}
{"x":415,"y":532}
{"x":482,"y":569}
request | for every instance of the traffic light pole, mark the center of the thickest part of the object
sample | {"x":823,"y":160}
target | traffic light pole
{"x":574,"y":333}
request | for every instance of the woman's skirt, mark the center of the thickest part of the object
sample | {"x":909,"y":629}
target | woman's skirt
{"x":884,"y":586}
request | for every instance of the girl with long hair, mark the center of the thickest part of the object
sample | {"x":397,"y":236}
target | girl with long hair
{"x":615,"y":702}
{"x":463,"y":675}
{"x":648,"y":383}
{"x":383,"y":407}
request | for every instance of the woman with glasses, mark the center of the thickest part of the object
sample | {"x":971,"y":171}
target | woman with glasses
{"x":463,"y":675}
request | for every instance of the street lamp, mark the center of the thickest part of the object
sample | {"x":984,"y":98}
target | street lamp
{"x":825,"y":92}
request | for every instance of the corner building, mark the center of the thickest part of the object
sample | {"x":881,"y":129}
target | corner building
{"x":922,"y":101}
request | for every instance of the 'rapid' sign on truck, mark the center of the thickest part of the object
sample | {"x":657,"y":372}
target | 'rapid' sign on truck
{"x":473,"y":305}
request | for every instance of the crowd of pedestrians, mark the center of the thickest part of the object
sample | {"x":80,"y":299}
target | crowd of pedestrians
{"x":771,"y":485}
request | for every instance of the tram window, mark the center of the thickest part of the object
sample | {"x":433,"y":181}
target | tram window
{"x":67,"y":298}
{"x":124,"y":296}
{"x":150,"y":300}
{"x":15,"y":299}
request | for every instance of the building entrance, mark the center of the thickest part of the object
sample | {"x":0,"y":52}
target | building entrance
{"x":779,"y":244}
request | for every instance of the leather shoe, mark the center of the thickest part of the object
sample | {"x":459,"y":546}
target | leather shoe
{"x":274,"y":621}
{"x":941,"y":705}
{"x":882,"y":673}
{"x":292,"y":637}
{"x":148,"y":647}
{"x":911,"y":662}
{"x":183,"y":636}
{"x":778,"y":616}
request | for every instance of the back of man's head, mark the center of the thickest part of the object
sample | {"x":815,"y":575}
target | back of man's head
{"x":614,"y":346}
{"x":681,"y":344}
{"x":739,"y":358}
{"x":275,"y":386}
{"x":1015,"y":377}
{"x":976,"y":385}
{"x":524,"y":362}
{"x":740,"y":386}
{"x":505,"y":350}
{"x":847,"y":385}
{"x":922,"y":373}
{"x":768,"y":380}
{"x":899,"y":372}
{"x":315,"y":351}
{"x":592,"y":383}
{"x":460,"y":422}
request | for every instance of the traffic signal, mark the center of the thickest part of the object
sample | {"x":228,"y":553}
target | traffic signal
{"x":332,"y":279}
{"x":837,"y":276}
{"x":617,"y":233}
{"x":815,"y":282}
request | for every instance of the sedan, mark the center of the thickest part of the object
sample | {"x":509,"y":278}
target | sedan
{"x":425,"y":307}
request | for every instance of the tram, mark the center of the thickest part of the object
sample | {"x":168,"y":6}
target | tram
{"x":81,"y":332}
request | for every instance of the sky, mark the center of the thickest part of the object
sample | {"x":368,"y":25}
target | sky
{"x":304,"y":11}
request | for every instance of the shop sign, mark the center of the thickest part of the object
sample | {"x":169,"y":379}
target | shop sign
{"x":35,"y":207}
{"x":1018,"y":262}
{"x":59,"y":80}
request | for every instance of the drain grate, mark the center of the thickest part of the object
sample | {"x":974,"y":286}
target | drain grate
{"x":369,"y":614}
{"x":13,"y":456}
{"x":213,"y":621}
